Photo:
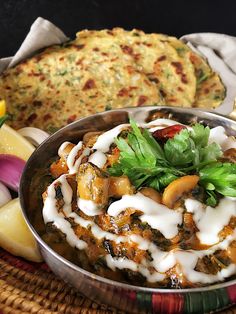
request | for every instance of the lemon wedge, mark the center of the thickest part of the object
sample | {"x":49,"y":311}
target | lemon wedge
{"x":15,"y":236}
{"x":2,"y":107}
{"x":13,"y":143}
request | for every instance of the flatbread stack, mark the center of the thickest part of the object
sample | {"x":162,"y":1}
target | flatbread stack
{"x":107,"y":69}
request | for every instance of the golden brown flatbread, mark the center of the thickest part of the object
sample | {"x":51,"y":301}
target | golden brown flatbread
{"x":210,"y":91}
{"x":102,"y":70}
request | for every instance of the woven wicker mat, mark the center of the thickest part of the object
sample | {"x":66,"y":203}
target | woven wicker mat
{"x":33,"y":288}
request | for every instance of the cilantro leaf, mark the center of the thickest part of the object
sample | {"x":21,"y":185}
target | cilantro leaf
{"x":212,"y":199}
{"x":179,"y":150}
{"x":200,"y":135}
{"x":116,"y":170}
{"x":156,"y":148}
{"x":161,"y":182}
{"x":142,"y":159}
{"x":210,"y":153}
{"x":146,"y":163}
{"x":145,"y":144}
{"x":190,"y":147}
{"x":3,"y":119}
{"x":220,"y":177}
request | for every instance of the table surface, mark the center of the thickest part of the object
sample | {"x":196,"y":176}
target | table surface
{"x":171,"y":17}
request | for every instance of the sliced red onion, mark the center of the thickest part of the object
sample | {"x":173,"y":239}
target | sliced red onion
{"x":5,"y":195}
{"x":34,"y":135}
{"x":11,"y":168}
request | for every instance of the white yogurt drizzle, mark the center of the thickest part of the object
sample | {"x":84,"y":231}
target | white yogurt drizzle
{"x":50,"y":212}
{"x":98,"y":158}
{"x":73,"y":163}
{"x":105,"y":140}
{"x":62,"y":148}
{"x":156,"y":215}
{"x":124,"y":263}
{"x":89,"y":207}
{"x":160,"y":124}
{"x":219,"y":136}
{"x":210,"y":221}
{"x":161,"y":261}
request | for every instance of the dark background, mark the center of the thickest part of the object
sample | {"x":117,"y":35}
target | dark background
{"x":177,"y":17}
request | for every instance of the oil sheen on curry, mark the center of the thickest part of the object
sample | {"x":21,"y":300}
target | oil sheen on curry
{"x":151,"y":204}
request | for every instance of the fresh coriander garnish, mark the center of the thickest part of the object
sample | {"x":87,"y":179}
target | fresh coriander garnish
{"x":211,"y":199}
{"x":147,"y":163}
{"x":219,"y":177}
{"x":141,"y":158}
{"x":189,"y":149}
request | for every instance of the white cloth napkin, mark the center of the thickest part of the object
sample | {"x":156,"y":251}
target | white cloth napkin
{"x":218,"y":49}
{"x":220,"y":52}
{"x":42,"y":34}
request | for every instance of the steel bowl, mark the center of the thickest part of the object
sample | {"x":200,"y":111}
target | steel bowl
{"x":123,"y":296}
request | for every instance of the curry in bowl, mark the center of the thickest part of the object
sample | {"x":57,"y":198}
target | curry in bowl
{"x":152,"y":204}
